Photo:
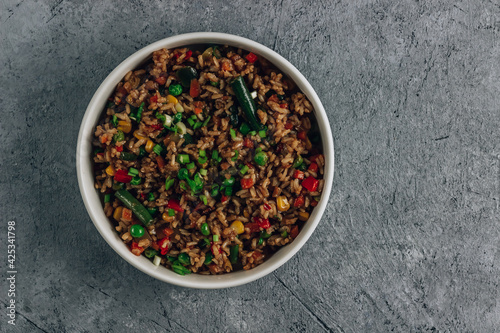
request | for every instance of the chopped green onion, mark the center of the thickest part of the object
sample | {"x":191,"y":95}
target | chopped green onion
{"x":142,"y":151}
{"x":244,"y":128}
{"x":152,"y":210}
{"x":202,"y":160}
{"x":197,"y":125}
{"x":261,"y":240}
{"x":191,"y":166}
{"x":184,"y":258}
{"x":244,"y":169}
{"x":228,"y":182}
{"x":264,"y":234}
{"x":183,"y":158}
{"x":262,"y":133}
{"x":202,"y":153}
{"x":205,"y":123}
{"x":252,"y":132}
{"x":208,"y":258}
{"x":157,"y":261}
{"x":233,"y":133}
{"x":181,"y":128}
{"x":191,"y":122}
{"x":205,"y":241}
{"x":136,"y":180}
{"x":137,"y":115}
{"x":171,"y":212}
{"x":157,"y":149}
{"x":215,"y":156}
{"x":177,"y":117}
{"x":284,"y":234}
{"x":183,"y":186}
{"x":203,"y":172}
{"x":214,"y":83}
{"x":168,"y":183}
{"x":228,"y":191}
{"x":215,"y":238}
{"x":114,"y":121}
{"x":151,"y":196}
{"x":215,"y":190}
{"x":119,"y":136}
{"x":235,"y":157}
{"x":133,"y":172}
{"x":150,"y":252}
{"x":204,"y":199}
{"x":107,"y":198}
{"x":302,"y":167}
{"x":183,"y":174}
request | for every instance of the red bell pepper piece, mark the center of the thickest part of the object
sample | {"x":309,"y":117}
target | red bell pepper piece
{"x":154,"y":99}
{"x":161,"y":80}
{"x":163,"y":244}
{"x":175,"y":205}
{"x":189,"y":53}
{"x":251,"y":58}
{"x":136,"y":249}
{"x":284,"y":105}
{"x":267,"y":206}
{"x":294,"y":232}
{"x":156,"y":127}
{"x":254,"y":227}
{"x":246,"y":183}
{"x":298,"y":174}
{"x":302,"y":135}
{"x":313,"y":167}
{"x":262,"y":222}
{"x":122,"y":176}
{"x":299,"y":201}
{"x":194,"y":89}
{"x":119,"y":148}
{"x":224,"y":198}
{"x":310,"y":183}
{"x":248,"y":143}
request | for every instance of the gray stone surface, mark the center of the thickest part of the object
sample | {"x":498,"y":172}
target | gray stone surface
{"x":409,"y":242}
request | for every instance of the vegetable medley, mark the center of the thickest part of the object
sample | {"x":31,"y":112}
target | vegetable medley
{"x":209,"y":160}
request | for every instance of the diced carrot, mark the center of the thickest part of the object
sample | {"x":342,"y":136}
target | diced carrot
{"x":198,"y":110}
{"x":126,"y":214}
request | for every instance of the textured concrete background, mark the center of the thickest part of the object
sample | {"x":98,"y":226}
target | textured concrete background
{"x":410,"y":240}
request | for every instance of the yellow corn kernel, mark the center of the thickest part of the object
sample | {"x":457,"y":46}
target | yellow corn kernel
{"x":110,"y":171}
{"x":124,"y":126}
{"x":283,"y":204}
{"x":303,"y":216}
{"x":172,"y":99}
{"x":139,"y":135}
{"x":118,"y":213}
{"x":149,"y":146}
{"x":238,"y":227}
{"x":246,"y":214}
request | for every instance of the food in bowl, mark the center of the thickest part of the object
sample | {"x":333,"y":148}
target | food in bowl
{"x":208,"y":159}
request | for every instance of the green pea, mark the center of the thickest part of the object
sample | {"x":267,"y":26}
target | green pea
{"x":184,"y":258}
{"x":205,"y":230}
{"x":175,"y":89}
{"x":208,"y":258}
{"x":260,"y":158}
{"x":137,"y":231}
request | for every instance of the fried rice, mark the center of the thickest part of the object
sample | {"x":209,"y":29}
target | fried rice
{"x":197,"y":179}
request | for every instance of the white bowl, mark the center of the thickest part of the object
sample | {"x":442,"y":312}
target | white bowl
{"x":91,"y":196}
